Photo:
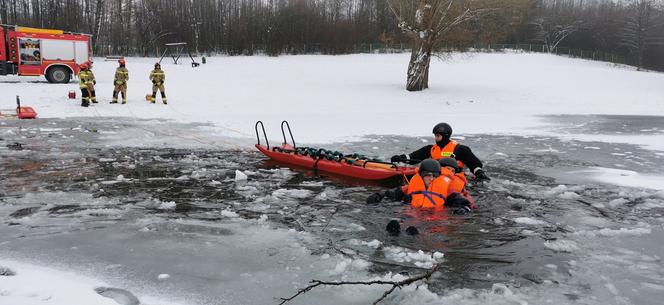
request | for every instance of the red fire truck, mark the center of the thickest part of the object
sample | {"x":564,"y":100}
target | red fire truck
{"x":34,"y":52}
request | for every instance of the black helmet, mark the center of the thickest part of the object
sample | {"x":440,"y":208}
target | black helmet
{"x":443,"y":129}
{"x":451,"y":162}
{"x":430,"y":166}
{"x":157,"y":65}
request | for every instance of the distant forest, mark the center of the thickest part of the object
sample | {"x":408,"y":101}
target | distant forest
{"x":633,"y":29}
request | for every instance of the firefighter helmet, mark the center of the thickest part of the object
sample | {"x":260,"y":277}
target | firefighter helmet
{"x":157,"y":65}
{"x":84,"y":66}
{"x":430,"y":166}
{"x":449,"y":162}
{"x":443,"y":129}
{"x":121,"y":61}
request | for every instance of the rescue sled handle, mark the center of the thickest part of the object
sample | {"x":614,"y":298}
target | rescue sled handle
{"x":264,"y":135}
{"x":289,"y":132}
{"x":392,"y":165}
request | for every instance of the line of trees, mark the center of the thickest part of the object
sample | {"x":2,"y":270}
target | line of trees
{"x":632,"y":28}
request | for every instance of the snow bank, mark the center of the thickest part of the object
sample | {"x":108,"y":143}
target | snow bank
{"x":622,"y":177}
{"x":34,"y":284}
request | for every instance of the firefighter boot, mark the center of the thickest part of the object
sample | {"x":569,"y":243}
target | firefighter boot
{"x":93,"y":97}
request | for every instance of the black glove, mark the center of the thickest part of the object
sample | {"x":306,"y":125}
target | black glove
{"x":94,"y":82}
{"x":398,"y":158}
{"x":456,"y":200}
{"x":412,"y":230}
{"x":462,"y":211}
{"x":154,"y":82}
{"x":393,"y":227}
{"x":374,"y":198}
{"x":481,"y":175}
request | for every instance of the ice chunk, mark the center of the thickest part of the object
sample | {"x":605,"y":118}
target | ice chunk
{"x":374,"y":244}
{"x":569,"y":195}
{"x":169,"y":205}
{"x":606,"y":232}
{"x":616,"y":202}
{"x":296,"y":193}
{"x":240,"y":176}
{"x":561,"y":245}
{"x":229,"y":213}
{"x":163,"y":277}
{"x":529,"y":221}
{"x":556,"y":190}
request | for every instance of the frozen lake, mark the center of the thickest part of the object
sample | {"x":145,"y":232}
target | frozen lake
{"x":152,"y":208}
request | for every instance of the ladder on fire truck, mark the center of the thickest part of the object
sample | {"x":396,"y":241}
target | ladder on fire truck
{"x":175,"y":50}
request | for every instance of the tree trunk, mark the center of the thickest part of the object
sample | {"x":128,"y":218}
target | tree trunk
{"x":418,"y":68}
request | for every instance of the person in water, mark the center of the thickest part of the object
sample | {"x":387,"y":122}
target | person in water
{"x":445,"y":147}
{"x":433,"y":187}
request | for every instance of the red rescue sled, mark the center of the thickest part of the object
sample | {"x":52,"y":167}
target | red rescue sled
{"x":22,"y":112}
{"x":25,"y":113}
{"x":348,"y":166}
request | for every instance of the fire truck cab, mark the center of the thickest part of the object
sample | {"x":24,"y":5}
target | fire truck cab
{"x":33,"y":52}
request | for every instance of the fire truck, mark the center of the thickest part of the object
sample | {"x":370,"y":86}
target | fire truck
{"x":55,"y":54}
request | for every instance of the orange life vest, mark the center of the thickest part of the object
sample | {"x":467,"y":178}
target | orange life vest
{"x":457,"y":181}
{"x":431,"y":197}
{"x":447,"y":151}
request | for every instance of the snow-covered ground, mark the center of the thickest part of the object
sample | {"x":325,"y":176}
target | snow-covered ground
{"x":336,"y":98}
{"x":330,"y":99}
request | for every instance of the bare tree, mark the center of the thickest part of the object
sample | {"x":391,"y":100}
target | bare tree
{"x":642,"y":29}
{"x":551,"y":31}
{"x":394,"y":285}
{"x":426,"y":22}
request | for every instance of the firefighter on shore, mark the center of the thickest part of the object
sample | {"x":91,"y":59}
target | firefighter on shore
{"x":87,"y":84}
{"x":120,"y":81}
{"x":157,"y":77}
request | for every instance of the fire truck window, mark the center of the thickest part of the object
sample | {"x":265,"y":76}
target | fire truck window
{"x":30,"y":51}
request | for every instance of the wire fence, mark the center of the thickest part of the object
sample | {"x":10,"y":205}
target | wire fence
{"x":382,"y":48}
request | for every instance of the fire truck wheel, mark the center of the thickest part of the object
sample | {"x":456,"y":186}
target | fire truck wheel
{"x":58,"y":75}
